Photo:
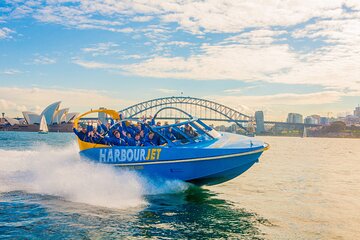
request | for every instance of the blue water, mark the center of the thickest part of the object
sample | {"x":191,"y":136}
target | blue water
{"x":302,"y":188}
{"x":48,"y":192}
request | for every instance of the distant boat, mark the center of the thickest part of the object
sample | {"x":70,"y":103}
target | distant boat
{"x":43,"y":126}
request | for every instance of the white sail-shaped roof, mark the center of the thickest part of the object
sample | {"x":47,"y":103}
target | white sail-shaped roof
{"x":71,"y":116}
{"x":31,"y":118}
{"x":12,"y":121}
{"x":49,"y":112}
{"x":52,"y":114}
{"x":60,"y":115}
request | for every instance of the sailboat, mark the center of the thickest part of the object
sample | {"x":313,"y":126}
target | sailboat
{"x":43,"y":126}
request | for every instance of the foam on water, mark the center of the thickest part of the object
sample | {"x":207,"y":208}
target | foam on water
{"x":61,"y":172}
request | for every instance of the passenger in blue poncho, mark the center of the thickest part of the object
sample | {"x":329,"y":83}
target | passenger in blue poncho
{"x":82,"y":134}
{"x":169,"y":134}
{"x":150,"y":140}
{"x":116,"y":140}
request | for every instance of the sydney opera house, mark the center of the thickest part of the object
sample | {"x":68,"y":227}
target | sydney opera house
{"x":58,"y":120}
{"x":53,"y":115}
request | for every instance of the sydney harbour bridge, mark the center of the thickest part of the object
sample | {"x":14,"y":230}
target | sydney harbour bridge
{"x":205,"y":110}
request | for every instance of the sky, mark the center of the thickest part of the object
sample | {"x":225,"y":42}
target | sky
{"x":277,"y":56}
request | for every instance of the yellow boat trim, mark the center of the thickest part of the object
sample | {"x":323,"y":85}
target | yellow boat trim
{"x":86,"y":145}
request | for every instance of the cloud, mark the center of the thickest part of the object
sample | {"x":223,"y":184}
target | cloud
{"x":239,"y":90}
{"x":317,"y":98}
{"x":216,"y":16}
{"x":96,"y":65}
{"x":256,"y":37}
{"x":277,"y":106}
{"x":142,"y":18}
{"x":11,"y":71}
{"x":179,"y":43}
{"x":6,"y":33}
{"x":235,"y":40}
{"x":43,"y":60}
{"x":6,"y":105}
{"x":217,"y":62}
{"x":106,"y":48}
{"x":257,"y":55}
{"x":167,"y":91}
{"x":15,"y":99}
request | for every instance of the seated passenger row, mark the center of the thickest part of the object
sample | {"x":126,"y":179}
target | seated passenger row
{"x":124,"y":134}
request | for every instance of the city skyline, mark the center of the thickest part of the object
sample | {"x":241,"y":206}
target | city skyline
{"x":303,"y":61}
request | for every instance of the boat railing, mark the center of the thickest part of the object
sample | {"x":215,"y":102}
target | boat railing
{"x":196,"y":123}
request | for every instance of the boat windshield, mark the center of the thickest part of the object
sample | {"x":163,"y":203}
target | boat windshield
{"x":190,"y":131}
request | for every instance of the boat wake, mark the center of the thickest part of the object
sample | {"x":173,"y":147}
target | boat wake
{"x":61,"y":172}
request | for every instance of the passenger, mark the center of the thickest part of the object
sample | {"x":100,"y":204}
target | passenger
{"x":92,"y":136}
{"x":98,"y":138}
{"x":127,"y":129}
{"x":152,"y":121}
{"x":142,"y":135}
{"x":150,"y":140}
{"x":98,"y":129}
{"x":145,"y":127}
{"x":135,"y":141}
{"x":190,"y":131}
{"x":170,"y":135}
{"x":82,"y":134}
{"x":105,"y":128}
{"x":116,"y":140}
{"x":89,"y":128}
{"x":138,"y":141}
{"x":129,"y":140}
{"x":128,"y":136}
{"x":138,"y":127}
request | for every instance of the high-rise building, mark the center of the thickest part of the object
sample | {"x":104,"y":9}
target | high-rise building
{"x":357,"y":111}
{"x":311,"y":120}
{"x":259,"y":119}
{"x":324,"y":121}
{"x":295,"y":118}
{"x":102,"y":115}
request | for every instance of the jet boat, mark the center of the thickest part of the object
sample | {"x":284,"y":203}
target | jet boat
{"x":206,"y":157}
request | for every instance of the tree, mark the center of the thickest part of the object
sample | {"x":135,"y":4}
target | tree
{"x":337,"y":126}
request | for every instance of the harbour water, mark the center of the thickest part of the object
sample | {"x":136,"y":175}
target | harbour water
{"x":302,"y":188}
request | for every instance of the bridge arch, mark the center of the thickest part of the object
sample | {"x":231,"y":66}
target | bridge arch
{"x":227,"y":112}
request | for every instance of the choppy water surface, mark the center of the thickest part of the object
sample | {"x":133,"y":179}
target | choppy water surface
{"x":300,"y":189}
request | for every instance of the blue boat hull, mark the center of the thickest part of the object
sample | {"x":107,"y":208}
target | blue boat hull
{"x":201,"y":166}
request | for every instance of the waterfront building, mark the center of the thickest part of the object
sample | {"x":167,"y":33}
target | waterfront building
{"x":324,"y":121}
{"x":295,"y":118}
{"x":316,"y":117}
{"x":259,"y":119}
{"x":357,"y":112}
{"x":311,"y":120}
